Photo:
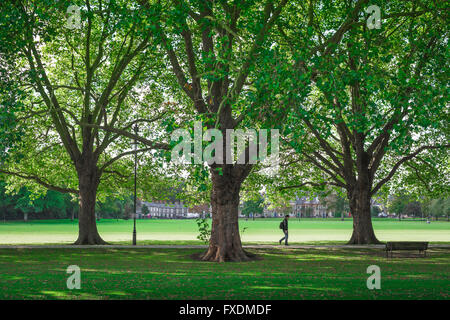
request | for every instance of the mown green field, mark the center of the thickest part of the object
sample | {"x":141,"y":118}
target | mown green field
{"x":186,"y":231}
{"x":282,"y":273}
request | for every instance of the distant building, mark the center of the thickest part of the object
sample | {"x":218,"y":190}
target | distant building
{"x":202,"y":210}
{"x":174,"y":209}
{"x":309,"y":207}
{"x":164,"y":209}
{"x":272,"y":213}
{"x":301,"y":206}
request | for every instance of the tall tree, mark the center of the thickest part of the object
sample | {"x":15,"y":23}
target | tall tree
{"x":80,"y":71}
{"x":212,"y":47}
{"x":378,"y":97}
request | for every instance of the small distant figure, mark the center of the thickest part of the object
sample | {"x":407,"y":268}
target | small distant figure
{"x":284,"y":227}
{"x":428,"y":219}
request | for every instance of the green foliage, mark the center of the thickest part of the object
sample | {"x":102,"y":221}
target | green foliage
{"x":57,"y":205}
{"x":439,"y":207}
{"x":399,"y":203}
{"x":59,"y":80}
{"x":324,"y":91}
{"x":374,"y":211}
{"x":204,"y":229}
{"x":368,"y":97}
{"x":407,"y":204}
{"x":336,"y":203}
{"x":145,"y":210}
{"x":52,"y":204}
{"x":413,"y":209}
{"x":11,"y":102}
{"x":119,"y":207}
{"x":253,"y":207}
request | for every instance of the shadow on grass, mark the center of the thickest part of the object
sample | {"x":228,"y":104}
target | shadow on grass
{"x":173,"y":274}
{"x":198,"y":256}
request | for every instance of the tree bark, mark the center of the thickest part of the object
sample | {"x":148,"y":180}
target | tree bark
{"x":89,"y":179}
{"x":225,"y":242}
{"x":363,"y":232}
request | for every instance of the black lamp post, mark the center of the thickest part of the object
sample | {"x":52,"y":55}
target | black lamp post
{"x":135,"y":185}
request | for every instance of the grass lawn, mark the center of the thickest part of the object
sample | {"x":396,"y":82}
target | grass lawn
{"x":172,"y":274}
{"x":185,"y":231}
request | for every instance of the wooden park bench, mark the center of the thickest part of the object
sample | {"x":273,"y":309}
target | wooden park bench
{"x":406,"y":245}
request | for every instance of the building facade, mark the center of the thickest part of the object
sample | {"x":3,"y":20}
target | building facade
{"x":171,"y":210}
{"x":300,"y":207}
{"x":309,"y":207}
{"x":164,"y":210}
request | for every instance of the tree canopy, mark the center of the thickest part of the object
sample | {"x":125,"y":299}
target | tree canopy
{"x":360,"y":101}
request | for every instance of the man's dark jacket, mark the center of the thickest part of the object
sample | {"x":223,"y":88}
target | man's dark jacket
{"x":285,"y":225}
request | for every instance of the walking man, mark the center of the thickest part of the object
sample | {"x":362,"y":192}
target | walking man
{"x":284,"y":227}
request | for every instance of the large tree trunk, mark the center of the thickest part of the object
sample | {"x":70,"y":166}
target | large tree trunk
{"x":225,"y":242}
{"x":363,"y":232}
{"x":89,"y":180}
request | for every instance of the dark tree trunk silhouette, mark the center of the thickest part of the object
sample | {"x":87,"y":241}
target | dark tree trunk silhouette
{"x":89,"y":179}
{"x":363,"y":232}
{"x":225,"y":242}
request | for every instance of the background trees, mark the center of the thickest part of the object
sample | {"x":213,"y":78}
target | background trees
{"x":251,"y":207}
{"x":336,"y":203}
{"x":26,"y":205}
{"x":439,"y":208}
{"x":403,"y":204}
